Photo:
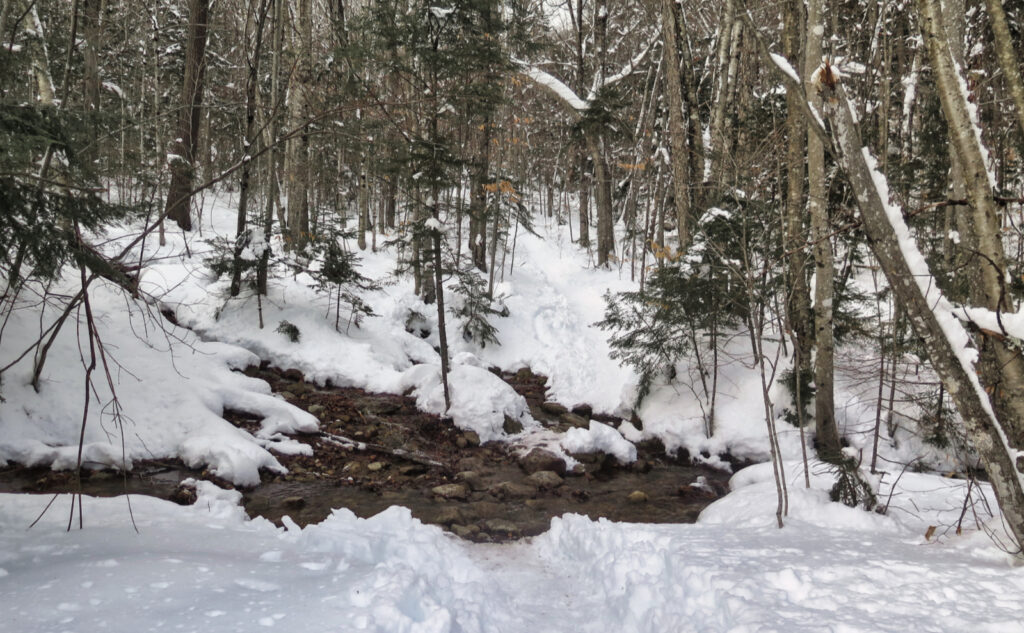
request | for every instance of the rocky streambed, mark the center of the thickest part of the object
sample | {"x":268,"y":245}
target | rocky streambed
{"x":378,"y":450}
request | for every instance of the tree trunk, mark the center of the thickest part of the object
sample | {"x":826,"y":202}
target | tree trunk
{"x":182,"y":161}
{"x":255,"y":20}
{"x":299,"y":92}
{"x":716,"y":155}
{"x":1001,"y":366}
{"x":1007,"y":59}
{"x":943,"y":339}
{"x":676,"y":123}
{"x":798,"y":298}
{"x":262,"y":271}
{"x":824,"y":267}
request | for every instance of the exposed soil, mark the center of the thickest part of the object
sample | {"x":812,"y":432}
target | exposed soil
{"x":377,"y":450}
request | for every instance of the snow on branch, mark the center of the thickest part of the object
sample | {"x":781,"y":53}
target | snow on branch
{"x":564,"y":93}
{"x":626,"y":71}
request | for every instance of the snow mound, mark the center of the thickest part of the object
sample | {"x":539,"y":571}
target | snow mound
{"x":480,"y":400}
{"x":600,"y":438}
{"x":172,"y":390}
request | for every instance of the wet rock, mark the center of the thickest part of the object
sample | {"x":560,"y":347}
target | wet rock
{"x":501,"y":527}
{"x":461,"y":442}
{"x":293,"y":503}
{"x":465,"y":531}
{"x":379,"y":406}
{"x":592,"y":461}
{"x":287,"y":395}
{"x":471,"y":478}
{"x":637,"y":496}
{"x":541,"y":459}
{"x":512,"y":427}
{"x":578,"y":470}
{"x":553,"y":408}
{"x":301,"y":388}
{"x":512,"y":490}
{"x":293,"y":374}
{"x":184,"y":495}
{"x":451,"y":491}
{"x":448,"y":515}
{"x":374,"y":467}
{"x":316,"y":409}
{"x":352,"y":467}
{"x":574,"y":420}
{"x":545,"y":479}
{"x":583,"y":410}
{"x":412,"y":470}
{"x":472,"y":438}
{"x":641,"y":466}
{"x":471,"y":463}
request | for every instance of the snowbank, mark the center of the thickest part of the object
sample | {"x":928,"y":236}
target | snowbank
{"x":205,"y":567}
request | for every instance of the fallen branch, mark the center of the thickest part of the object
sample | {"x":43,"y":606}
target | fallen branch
{"x":348,"y":443}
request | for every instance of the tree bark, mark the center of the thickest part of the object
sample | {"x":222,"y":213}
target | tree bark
{"x":1001,"y":366}
{"x":1007,"y":59}
{"x":299,"y":92}
{"x":676,"y":123}
{"x":824,"y":359}
{"x":182,"y":162}
{"x":984,"y":428}
{"x":798,"y":297}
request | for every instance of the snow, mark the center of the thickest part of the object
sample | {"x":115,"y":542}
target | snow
{"x":206,"y":567}
{"x":601,"y":438}
{"x":172,"y":389}
{"x":562,"y":91}
{"x":785,"y":67}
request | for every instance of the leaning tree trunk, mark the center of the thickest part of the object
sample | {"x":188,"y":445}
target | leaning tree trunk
{"x":943,"y":338}
{"x":182,"y":159}
{"x":1000,"y":364}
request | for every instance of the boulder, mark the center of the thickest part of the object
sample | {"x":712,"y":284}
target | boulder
{"x":501,"y":527}
{"x":512,"y":490}
{"x":471,"y":478}
{"x":553,"y":408}
{"x":637,"y":496}
{"x":511,"y":427}
{"x":574,"y":420}
{"x":451,"y":491}
{"x":545,"y":479}
{"x":583,"y":410}
{"x":541,"y":459}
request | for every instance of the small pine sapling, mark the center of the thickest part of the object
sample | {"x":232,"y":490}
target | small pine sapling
{"x":290,"y":330}
{"x":474,"y":308}
{"x":339,"y":275}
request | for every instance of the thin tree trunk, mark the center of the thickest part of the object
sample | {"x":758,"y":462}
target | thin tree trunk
{"x":824,"y":267}
{"x":676,"y":124}
{"x":299,"y":93}
{"x":1007,"y":59}
{"x":254,"y":24}
{"x":182,"y":161}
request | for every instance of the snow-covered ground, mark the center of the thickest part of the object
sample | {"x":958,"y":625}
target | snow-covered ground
{"x":207,"y":568}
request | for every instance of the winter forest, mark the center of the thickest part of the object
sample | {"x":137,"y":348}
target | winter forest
{"x":512,"y":315}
